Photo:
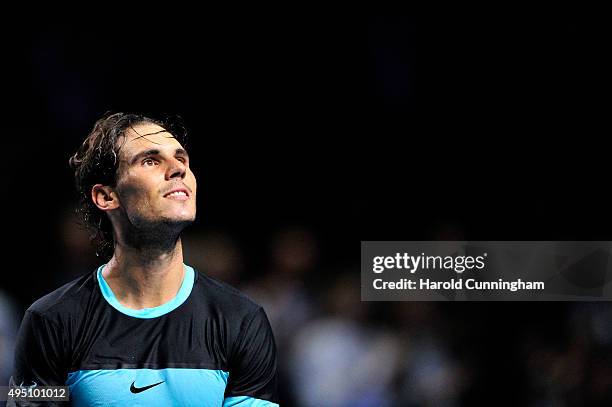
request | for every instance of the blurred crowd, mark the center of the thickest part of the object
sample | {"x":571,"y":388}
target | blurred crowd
{"x":337,"y":351}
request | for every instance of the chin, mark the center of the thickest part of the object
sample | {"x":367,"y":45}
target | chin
{"x":181,"y":214}
{"x":181,"y":218}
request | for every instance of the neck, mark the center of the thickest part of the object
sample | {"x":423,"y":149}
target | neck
{"x":145,"y":276}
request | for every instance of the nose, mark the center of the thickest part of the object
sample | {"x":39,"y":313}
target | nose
{"x":176,"y":170}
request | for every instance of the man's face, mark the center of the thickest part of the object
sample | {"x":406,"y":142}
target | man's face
{"x":154,"y":181}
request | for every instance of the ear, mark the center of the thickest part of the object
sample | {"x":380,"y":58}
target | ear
{"x":104,"y":197}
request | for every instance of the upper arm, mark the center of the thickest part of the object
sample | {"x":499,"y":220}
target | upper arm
{"x":38,"y":353}
{"x":253,"y":373}
{"x":38,"y":356}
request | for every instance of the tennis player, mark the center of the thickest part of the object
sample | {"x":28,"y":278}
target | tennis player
{"x":144,"y":328}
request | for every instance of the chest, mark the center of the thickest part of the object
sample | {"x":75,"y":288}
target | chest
{"x":183,"y":340}
{"x":164,"y":361}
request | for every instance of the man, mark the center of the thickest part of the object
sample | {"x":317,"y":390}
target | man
{"x":144,"y":328}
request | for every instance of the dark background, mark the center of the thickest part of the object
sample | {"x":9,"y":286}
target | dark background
{"x":329,"y":124}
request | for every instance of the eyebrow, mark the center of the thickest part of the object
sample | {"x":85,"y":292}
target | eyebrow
{"x":147,"y":153}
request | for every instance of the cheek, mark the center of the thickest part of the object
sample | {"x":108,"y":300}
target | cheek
{"x":193,"y":183}
{"x":133,"y":195}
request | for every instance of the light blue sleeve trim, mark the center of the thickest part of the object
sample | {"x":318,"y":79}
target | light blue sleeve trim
{"x":154,"y":312}
{"x":247,"y":401}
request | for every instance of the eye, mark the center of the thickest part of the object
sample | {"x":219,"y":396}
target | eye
{"x":149,"y":162}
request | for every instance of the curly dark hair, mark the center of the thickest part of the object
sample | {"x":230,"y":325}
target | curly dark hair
{"x":96,"y":162}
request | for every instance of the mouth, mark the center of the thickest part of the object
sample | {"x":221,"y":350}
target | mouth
{"x":180,"y":194}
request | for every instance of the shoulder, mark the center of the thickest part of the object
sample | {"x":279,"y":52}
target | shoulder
{"x":66,"y":300}
{"x":228,"y":300}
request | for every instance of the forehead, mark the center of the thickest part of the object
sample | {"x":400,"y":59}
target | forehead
{"x":145,"y":136}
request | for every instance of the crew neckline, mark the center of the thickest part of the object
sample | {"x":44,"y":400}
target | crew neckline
{"x":154,"y":312}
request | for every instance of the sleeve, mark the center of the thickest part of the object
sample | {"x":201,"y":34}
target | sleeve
{"x":38,"y":360}
{"x":253,"y":374}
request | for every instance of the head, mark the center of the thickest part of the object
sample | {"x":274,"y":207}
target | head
{"x":134,"y":181}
